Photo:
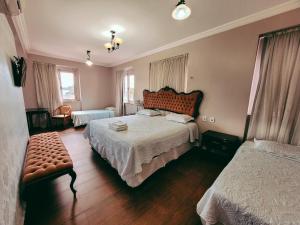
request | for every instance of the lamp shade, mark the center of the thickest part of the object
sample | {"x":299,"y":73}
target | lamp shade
{"x":181,"y":12}
{"x":108,"y":45}
{"x":89,"y":62}
{"x":118,"y":41}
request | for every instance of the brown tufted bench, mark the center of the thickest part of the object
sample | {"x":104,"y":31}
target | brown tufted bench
{"x":46,"y":158}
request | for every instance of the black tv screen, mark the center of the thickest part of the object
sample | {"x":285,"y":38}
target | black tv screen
{"x":19,"y":70}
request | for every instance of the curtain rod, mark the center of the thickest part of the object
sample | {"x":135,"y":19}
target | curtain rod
{"x":176,"y":56}
{"x":287,"y":29}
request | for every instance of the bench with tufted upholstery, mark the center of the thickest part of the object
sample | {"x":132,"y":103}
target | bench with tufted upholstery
{"x":46,"y":158}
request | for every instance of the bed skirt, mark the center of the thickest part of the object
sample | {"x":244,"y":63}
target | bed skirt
{"x":134,"y":180}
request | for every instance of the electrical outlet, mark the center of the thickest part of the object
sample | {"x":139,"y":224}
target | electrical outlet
{"x":212,"y":119}
{"x":204,"y":118}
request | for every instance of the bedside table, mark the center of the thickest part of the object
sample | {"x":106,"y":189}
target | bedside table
{"x":221,"y":144}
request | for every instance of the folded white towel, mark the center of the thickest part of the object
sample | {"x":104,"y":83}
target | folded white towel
{"x":118,"y":123}
{"x":118,"y":129}
{"x":111,"y":125}
{"x":118,"y":126}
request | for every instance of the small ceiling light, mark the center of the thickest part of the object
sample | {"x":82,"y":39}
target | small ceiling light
{"x":114,"y":43}
{"x":181,"y":11}
{"x":88,"y":59}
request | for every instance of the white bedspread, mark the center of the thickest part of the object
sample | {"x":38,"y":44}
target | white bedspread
{"x":145,"y":138}
{"x":84,"y":117}
{"x":256,"y":188}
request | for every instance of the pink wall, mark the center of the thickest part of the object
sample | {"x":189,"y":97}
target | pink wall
{"x":96,"y":84}
{"x":222,"y":67}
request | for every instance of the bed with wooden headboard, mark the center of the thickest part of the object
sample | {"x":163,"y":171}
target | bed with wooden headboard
{"x":150,"y":142}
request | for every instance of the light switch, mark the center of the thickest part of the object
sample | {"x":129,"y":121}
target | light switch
{"x":204,"y":118}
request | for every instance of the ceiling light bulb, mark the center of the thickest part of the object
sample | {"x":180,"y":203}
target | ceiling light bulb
{"x":108,"y":45}
{"x":181,"y":12}
{"x":88,"y":59}
{"x":118,"y":41}
{"x":89,"y":62}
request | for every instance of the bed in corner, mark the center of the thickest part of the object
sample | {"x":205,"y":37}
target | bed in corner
{"x":260,"y":186}
{"x":150,"y":142}
{"x":83,"y":117}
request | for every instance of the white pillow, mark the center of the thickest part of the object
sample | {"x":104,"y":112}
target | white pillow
{"x":148,"y":112}
{"x":163,"y":112}
{"x":277,"y":148}
{"x":111,"y":108}
{"x":180,"y":118}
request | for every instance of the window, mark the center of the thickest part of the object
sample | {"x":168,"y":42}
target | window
{"x":170,"y":72}
{"x":128,"y":93}
{"x":68,"y":85}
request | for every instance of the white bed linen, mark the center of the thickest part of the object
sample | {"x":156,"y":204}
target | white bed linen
{"x":156,"y":163}
{"x":256,"y":188}
{"x":84,"y":117}
{"x":146,"y":138}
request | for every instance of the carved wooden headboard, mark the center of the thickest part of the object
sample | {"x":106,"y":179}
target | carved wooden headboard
{"x":168,"y":99}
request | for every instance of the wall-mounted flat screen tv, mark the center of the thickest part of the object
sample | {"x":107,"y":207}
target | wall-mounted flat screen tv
{"x":19,"y":70}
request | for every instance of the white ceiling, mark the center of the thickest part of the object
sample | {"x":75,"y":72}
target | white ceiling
{"x":67,"y":28}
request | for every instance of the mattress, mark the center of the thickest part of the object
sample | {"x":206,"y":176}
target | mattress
{"x":257,"y":187}
{"x":84,"y":117}
{"x":146,"y":138}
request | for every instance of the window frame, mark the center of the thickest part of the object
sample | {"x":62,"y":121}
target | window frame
{"x":127,"y":77}
{"x":77,"y":92}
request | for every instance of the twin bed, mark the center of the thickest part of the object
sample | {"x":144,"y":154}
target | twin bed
{"x":84,"y":117}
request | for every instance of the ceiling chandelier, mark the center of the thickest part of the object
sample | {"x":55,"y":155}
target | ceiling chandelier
{"x":88,"y":59}
{"x":114,"y":44}
{"x":181,"y":12}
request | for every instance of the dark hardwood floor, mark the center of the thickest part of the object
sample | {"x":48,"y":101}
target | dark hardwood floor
{"x":168,"y":197}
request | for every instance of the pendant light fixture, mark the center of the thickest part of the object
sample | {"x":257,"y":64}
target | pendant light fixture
{"x":181,"y":12}
{"x":88,"y":59}
{"x":114,"y":43}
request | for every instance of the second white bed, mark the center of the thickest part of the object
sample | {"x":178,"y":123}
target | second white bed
{"x":260,"y":186}
{"x":84,"y":117}
{"x":147,"y":145}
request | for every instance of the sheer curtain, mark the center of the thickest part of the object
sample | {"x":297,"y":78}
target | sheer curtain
{"x":47,"y":86}
{"x":119,"y":92}
{"x":9,"y":7}
{"x":276,"y":111}
{"x":169,"y":72}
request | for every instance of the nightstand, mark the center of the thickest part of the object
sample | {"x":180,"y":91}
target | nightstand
{"x":224,"y":145}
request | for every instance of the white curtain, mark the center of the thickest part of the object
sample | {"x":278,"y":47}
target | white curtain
{"x":276,"y":112}
{"x":47,"y":86}
{"x":169,"y":72}
{"x":9,"y":7}
{"x":119,"y":92}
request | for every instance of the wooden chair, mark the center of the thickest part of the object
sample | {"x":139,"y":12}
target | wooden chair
{"x":62,"y":113}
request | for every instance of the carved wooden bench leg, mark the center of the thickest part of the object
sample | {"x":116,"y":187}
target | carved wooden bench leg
{"x":73,"y":175}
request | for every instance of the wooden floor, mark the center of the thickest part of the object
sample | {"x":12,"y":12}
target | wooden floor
{"x":168,"y":197}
